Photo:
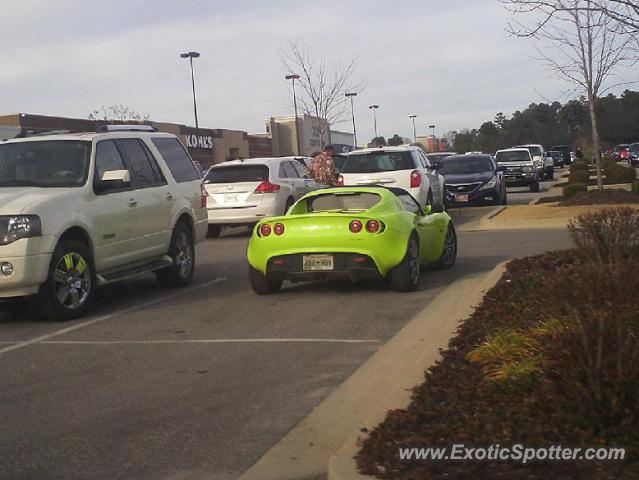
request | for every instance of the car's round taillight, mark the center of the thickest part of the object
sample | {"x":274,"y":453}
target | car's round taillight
{"x":278,"y":229}
{"x":373,"y":226}
{"x":355,"y":226}
{"x":340,"y":181}
{"x":265,"y":230}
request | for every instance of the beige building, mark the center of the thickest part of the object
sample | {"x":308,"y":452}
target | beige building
{"x":314,"y":133}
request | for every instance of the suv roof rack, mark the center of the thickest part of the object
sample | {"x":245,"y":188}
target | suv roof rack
{"x":125,"y":128}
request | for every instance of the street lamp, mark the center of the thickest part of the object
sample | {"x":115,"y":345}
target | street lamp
{"x":435,"y":143}
{"x":413,"y":117}
{"x":373,"y":108}
{"x":191,"y":56}
{"x":292,"y":77}
{"x":351,"y":95}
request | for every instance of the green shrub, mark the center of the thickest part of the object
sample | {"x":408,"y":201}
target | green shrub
{"x":608,"y":164}
{"x":579,"y":165}
{"x":635,"y":187}
{"x":573,"y":189}
{"x":579,"y":176}
{"x":621,"y":174}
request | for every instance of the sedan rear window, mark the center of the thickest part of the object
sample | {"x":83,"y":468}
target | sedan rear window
{"x":342,"y":202}
{"x":379,"y":162}
{"x":516,"y":156}
{"x":237,"y":174}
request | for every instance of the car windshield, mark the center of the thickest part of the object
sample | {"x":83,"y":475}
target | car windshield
{"x":618,"y":148}
{"x":555,"y":154}
{"x":342,"y":202}
{"x":54,"y":163}
{"x":378,"y":162}
{"x":513,"y":156}
{"x":237,"y":174}
{"x":462,"y":165}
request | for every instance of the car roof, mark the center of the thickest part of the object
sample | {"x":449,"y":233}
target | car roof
{"x":258,"y":161}
{"x":530,"y":145}
{"x":516,"y":149}
{"x":400,"y":148}
{"x":90,"y":136}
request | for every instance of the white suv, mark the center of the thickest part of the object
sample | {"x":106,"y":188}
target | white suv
{"x":406,"y":167}
{"x":82,"y":210}
{"x":243,"y":192}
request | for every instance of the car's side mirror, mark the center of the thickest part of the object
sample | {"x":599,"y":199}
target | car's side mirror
{"x":114,"y":180}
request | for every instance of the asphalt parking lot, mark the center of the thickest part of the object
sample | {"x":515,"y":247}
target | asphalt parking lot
{"x":200,"y":382}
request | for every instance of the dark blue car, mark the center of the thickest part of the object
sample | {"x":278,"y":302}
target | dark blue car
{"x":473,"y":179}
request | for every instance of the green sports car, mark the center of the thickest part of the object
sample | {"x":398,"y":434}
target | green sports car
{"x":351,"y":232}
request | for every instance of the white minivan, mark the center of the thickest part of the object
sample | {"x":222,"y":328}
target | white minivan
{"x":243,"y":192}
{"x":406,"y":167}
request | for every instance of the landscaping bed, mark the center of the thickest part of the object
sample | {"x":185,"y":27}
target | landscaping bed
{"x":601,"y":197}
{"x":550,"y":357}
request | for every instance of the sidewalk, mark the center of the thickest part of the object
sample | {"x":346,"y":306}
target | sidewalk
{"x":328,"y":436}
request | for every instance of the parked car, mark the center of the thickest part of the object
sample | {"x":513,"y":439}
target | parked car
{"x":558,"y":158}
{"x":621,"y":152}
{"x":538,"y":155}
{"x":634,"y":154}
{"x":351,"y":232}
{"x":565,"y":153}
{"x":473,"y":179}
{"x":520,"y":169}
{"x":78,"y":211}
{"x":404,"y":167}
{"x":243,"y":192}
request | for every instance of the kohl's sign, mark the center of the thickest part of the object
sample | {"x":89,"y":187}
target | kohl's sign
{"x":199,"y":141}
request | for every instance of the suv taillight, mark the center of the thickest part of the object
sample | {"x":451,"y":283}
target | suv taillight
{"x":267,"y":187}
{"x":415,"y":178}
{"x":204,"y":195}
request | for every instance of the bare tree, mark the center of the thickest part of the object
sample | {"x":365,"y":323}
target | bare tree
{"x":587,"y":46}
{"x":116,"y":113}
{"x":323,"y":86}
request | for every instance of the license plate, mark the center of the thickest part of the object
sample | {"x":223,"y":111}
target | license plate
{"x":230,"y":198}
{"x":317,"y":262}
{"x":461,"y":198}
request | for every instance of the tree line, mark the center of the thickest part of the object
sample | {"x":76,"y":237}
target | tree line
{"x":556,"y":124}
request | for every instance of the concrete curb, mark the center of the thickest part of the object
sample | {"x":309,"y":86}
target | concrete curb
{"x":382,"y":383}
{"x":493,"y":213}
{"x":411,"y":355}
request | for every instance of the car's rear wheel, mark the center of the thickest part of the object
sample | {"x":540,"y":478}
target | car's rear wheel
{"x":449,"y":250}
{"x":261,"y":285}
{"x":70,"y":285}
{"x":214,"y":231}
{"x":405,"y":276}
{"x":182,"y":252}
{"x":289,"y":204}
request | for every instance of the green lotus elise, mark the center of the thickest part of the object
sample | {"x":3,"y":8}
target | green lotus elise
{"x":351,"y":232}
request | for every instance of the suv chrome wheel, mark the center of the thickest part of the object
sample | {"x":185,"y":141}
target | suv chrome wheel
{"x":184,"y":254}
{"x":72,"y":281}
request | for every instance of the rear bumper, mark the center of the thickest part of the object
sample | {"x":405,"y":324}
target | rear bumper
{"x":241,"y":215}
{"x":351,"y":266}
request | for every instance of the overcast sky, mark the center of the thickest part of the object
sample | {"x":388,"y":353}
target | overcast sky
{"x":449,"y":62}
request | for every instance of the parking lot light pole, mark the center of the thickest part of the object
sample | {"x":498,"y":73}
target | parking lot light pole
{"x":191,"y":56}
{"x":413,"y":117}
{"x":351,"y":95}
{"x":292,"y":77}
{"x":436,"y":145}
{"x":373,"y":108}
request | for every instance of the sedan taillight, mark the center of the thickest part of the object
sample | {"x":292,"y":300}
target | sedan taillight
{"x":267,"y":187}
{"x":415,"y":178}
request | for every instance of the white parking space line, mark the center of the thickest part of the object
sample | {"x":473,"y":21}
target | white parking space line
{"x":77,"y":326}
{"x":215,"y":340}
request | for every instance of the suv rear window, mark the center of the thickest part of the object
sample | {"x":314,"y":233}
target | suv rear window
{"x":343,"y":202}
{"x":379,"y":162}
{"x":55,"y":163}
{"x":176,"y":158}
{"x":237,"y":174}
{"x":517,"y":156}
